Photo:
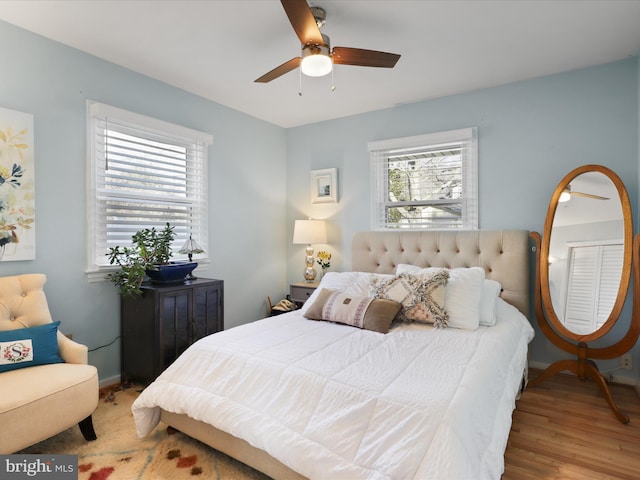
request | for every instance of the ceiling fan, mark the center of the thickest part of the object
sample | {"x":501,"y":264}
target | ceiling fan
{"x":565,"y":196}
{"x":317,"y":58}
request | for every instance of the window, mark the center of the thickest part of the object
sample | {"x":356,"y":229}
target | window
{"x":425,"y":182}
{"x":143,"y":173}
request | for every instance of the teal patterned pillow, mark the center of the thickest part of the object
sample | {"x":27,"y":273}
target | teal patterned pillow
{"x":422,"y":296}
{"x":27,"y":347}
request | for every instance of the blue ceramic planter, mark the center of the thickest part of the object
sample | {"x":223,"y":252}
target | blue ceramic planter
{"x":175,"y":272}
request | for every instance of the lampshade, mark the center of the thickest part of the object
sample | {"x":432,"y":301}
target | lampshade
{"x":309,"y":231}
{"x":190,"y":247}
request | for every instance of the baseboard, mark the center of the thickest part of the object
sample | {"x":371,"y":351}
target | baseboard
{"x":108,"y":382}
{"x":611,"y":377}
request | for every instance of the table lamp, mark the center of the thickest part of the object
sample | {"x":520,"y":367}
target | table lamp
{"x":190,"y":247}
{"x":309,"y":232}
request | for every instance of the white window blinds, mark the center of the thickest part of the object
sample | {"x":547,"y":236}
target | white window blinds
{"x":425,"y":182}
{"x":143,"y":173}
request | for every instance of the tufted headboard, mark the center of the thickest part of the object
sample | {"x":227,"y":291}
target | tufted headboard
{"x":504,"y":255}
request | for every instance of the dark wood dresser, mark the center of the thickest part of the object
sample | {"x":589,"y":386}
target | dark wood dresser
{"x":158,"y":326}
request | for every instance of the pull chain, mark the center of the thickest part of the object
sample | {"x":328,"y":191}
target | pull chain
{"x":333,"y":85}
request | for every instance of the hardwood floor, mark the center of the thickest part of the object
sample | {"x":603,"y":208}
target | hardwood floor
{"x":564,"y":429}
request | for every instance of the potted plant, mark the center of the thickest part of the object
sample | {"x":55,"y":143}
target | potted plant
{"x":148,"y":256}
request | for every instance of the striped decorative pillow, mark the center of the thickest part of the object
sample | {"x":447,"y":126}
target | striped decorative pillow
{"x":361,"y":312}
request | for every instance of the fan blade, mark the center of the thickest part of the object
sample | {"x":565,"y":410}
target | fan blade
{"x":303,"y":22}
{"x":589,"y":195}
{"x":364,"y":58}
{"x":286,"y":67}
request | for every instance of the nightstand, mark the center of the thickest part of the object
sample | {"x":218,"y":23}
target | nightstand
{"x":301,"y":291}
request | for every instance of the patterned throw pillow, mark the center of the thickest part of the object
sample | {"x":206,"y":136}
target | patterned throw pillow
{"x":362,"y":312}
{"x":26,"y":347}
{"x":463,"y":295}
{"x":422,"y":297}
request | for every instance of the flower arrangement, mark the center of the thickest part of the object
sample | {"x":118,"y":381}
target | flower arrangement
{"x":324,"y":260}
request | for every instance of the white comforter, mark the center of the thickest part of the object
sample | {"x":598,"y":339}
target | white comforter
{"x":335,"y":402}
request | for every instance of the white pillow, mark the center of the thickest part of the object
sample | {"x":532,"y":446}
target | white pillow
{"x":463,"y":293}
{"x":351,"y":283}
{"x":490,"y":293}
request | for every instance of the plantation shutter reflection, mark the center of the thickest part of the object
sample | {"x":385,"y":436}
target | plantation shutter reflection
{"x":145,"y":175}
{"x":593,"y":282}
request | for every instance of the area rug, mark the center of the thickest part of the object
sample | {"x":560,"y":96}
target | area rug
{"x":118,"y":454}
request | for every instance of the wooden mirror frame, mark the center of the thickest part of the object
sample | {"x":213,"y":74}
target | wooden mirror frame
{"x":549,"y":323}
{"x":627,"y":254}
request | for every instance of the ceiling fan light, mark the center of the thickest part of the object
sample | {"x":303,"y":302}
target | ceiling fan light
{"x":316,"y":65}
{"x":565,"y":196}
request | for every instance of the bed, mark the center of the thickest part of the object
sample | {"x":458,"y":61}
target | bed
{"x":297,"y":398}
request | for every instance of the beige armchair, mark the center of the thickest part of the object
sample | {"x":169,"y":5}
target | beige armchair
{"x":37,"y":402}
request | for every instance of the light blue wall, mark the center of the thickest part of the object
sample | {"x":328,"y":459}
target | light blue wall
{"x":247,"y":188}
{"x":531,"y":134}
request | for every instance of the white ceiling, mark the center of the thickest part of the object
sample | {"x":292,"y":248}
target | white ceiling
{"x":217,"y":48}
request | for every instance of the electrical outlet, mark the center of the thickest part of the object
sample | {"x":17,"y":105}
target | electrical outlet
{"x":625,"y":361}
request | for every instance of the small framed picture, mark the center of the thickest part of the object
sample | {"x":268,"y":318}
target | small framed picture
{"x":324,"y":186}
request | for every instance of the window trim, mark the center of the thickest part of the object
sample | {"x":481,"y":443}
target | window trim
{"x":153,"y":126}
{"x":378,"y":150}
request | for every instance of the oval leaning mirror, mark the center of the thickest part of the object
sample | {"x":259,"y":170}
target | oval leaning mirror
{"x":584,"y":265}
{"x":588,"y":244}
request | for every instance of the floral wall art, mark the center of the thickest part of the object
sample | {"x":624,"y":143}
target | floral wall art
{"x":17,"y":188}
